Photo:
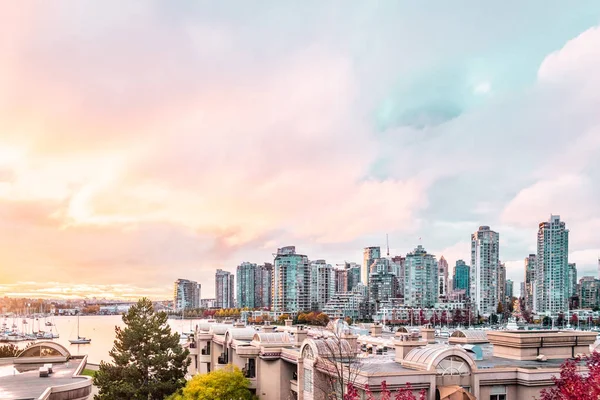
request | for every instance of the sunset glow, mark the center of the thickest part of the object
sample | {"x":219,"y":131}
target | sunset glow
{"x":141,"y":142}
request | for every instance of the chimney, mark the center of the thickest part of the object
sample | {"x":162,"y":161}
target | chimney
{"x":404,"y":344}
{"x":376,"y":329}
{"x":300,"y":333}
{"x":288,"y":322}
{"x":351,"y":339}
{"x":428,"y":334}
{"x":267,"y":327}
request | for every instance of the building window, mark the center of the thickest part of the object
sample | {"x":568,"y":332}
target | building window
{"x":308,"y":380}
{"x":498,"y":393}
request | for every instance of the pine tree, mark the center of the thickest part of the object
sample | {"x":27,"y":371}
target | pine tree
{"x":148,"y":361}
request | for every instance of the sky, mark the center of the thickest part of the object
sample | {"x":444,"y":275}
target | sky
{"x":146,"y":141}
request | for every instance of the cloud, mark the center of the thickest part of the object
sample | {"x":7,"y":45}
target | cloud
{"x":147,"y":142}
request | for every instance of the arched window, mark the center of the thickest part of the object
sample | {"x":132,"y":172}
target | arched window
{"x":453,"y":365}
{"x":308,"y":353}
{"x":40,"y":351}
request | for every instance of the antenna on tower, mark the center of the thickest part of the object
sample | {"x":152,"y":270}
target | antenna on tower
{"x":387,"y":241}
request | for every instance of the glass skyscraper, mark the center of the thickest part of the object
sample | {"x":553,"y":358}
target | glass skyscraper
{"x":461,"y":277}
{"x":552,"y":267}
{"x":420,"y":278}
{"x":291,"y":281}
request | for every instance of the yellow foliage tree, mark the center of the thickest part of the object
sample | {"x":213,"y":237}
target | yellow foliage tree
{"x":224,"y":384}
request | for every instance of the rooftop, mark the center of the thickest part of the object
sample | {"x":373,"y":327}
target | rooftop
{"x":23,"y":381}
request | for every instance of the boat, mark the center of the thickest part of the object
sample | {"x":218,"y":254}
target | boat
{"x":80,"y":339}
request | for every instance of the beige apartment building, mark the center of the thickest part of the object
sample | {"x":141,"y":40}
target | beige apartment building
{"x":296,"y":362}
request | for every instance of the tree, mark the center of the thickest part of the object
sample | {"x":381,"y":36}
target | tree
{"x":500,"y":308}
{"x":322,"y":319}
{"x":223,"y":384}
{"x":9,"y":350}
{"x":493,"y":319}
{"x":571,"y":385}
{"x":574,"y":319}
{"x":148,"y":361}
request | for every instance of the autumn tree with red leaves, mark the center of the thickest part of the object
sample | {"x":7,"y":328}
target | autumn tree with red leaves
{"x":572,"y":384}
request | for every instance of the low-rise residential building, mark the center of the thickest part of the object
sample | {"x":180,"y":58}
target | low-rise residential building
{"x":300,"y":363}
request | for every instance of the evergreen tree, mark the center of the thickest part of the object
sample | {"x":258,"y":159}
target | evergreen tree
{"x":148,"y":361}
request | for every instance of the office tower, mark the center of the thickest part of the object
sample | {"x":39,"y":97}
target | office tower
{"x":353,"y":272}
{"x":383,"y":284}
{"x":420,"y":278}
{"x":398,"y":268}
{"x":442,"y":278}
{"x":551,"y":274}
{"x":186,"y":295}
{"x":509,"y":289}
{"x":484,"y":270}
{"x":589,"y":292}
{"x":572,"y":279}
{"x":224,"y":288}
{"x":501,"y":284}
{"x":530,"y":265}
{"x":322,"y":284}
{"x":461,"y":277}
{"x":370,"y":254}
{"x":254,"y":285}
{"x":522,"y":294}
{"x":291,"y":281}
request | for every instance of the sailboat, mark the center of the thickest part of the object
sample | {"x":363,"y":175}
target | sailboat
{"x":80,"y":339}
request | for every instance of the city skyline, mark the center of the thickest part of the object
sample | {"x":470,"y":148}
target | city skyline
{"x":146,"y":142}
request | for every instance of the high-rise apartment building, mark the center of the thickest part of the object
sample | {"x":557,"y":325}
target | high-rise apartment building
{"x":291,"y":281}
{"x":224,"y":289}
{"x":529,"y":296}
{"x":341,"y":280}
{"x":383,"y":284}
{"x":509,"y":289}
{"x":353,"y":272}
{"x":442,"y":278}
{"x":398,"y":267}
{"x":572,"y":279}
{"x":589,"y":292}
{"x":254,"y":285}
{"x":551,"y":274}
{"x":461,"y":279}
{"x":420,"y":278}
{"x":322,"y":284}
{"x":501,"y":284}
{"x":484,"y":270}
{"x":186,"y":295}
{"x":370,"y":254}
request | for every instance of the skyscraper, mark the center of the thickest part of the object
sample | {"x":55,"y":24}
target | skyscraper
{"x":383,"y":284}
{"x":530,"y":265}
{"x":398,"y":268}
{"x":589,"y":292}
{"x":341,"y":280}
{"x":501,"y":284}
{"x":442,"y":277}
{"x":186,"y":295}
{"x":254,"y":285}
{"x":370,"y":254}
{"x":572,"y":279}
{"x":484,"y":270}
{"x":551,"y":272}
{"x":353,"y":272}
{"x":509,"y":289}
{"x":420,"y":278}
{"x":291,"y":281}
{"x":322,"y":284}
{"x":461,"y":277}
{"x":224,"y":288}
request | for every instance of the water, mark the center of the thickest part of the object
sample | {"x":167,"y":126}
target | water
{"x":101,"y":329}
